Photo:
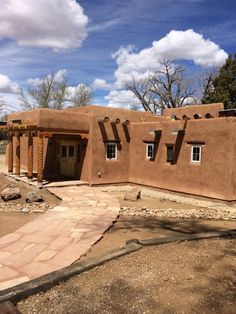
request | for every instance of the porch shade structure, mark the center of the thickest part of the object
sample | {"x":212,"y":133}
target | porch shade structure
{"x":15,"y":132}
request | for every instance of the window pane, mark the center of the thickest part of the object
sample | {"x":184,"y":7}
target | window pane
{"x":71,"y":151}
{"x":150,"y":150}
{"x":170,"y":153}
{"x":111,"y":151}
{"x":78,"y":152}
{"x":196,"y":153}
{"x":63,"y":151}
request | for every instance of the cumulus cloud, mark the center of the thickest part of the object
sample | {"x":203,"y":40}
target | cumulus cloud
{"x":176,"y":45}
{"x":8,"y":86}
{"x":73,"y":89}
{"x":185,"y":45}
{"x":59,"y":76}
{"x":122,"y":99}
{"x":101,"y":84}
{"x":9,"y":103}
{"x":56,"y":24}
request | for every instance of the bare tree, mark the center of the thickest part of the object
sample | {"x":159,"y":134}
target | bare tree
{"x":167,"y":88}
{"x":6,"y":108}
{"x":59,"y":94}
{"x":2,"y":104}
{"x":142,"y":90}
{"x":206,"y":80}
{"x":48,"y":93}
{"x":82,"y":96}
{"x":134,"y":107}
{"x":25,"y":102}
{"x":42,"y":93}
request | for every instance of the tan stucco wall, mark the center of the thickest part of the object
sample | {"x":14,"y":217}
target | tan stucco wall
{"x":53,"y":119}
{"x":113,"y":171}
{"x":190,"y":111}
{"x":210,"y":178}
{"x":214,"y":177}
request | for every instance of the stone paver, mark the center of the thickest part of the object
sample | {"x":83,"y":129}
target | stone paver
{"x":58,"y":237}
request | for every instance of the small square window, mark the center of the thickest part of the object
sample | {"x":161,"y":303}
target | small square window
{"x":150,"y":151}
{"x":111,"y":151}
{"x":196,"y":151}
{"x":170,"y":153}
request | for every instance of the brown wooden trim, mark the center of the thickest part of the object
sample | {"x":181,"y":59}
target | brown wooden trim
{"x":40,"y":159}
{"x":195,"y":143}
{"x":111,"y":141}
{"x":35,"y":127}
{"x":30,"y":157}
{"x":51,"y":134}
{"x":149,"y":141}
{"x":10,"y":155}
{"x":18,"y":155}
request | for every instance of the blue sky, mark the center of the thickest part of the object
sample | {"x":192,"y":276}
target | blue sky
{"x":31,"y":49}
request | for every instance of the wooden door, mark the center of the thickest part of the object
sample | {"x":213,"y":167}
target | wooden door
{"x":67,"y":159}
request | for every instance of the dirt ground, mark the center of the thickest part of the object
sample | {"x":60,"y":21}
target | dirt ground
{"x":148,"y":202}
{"x":137,"y":227}
{"x":196,"y":277}
{"x":11,"y":217}
{"x":24,"y":189}
{"x":188,"y":277}
{"x":10,"y":221}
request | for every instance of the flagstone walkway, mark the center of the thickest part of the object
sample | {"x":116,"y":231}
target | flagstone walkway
{"x":58,"y":237}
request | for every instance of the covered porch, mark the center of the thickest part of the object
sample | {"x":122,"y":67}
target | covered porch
{"x":44,"y":156}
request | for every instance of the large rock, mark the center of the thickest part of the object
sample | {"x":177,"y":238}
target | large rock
{"x":8,"y":308}
{"x":133,"y":194}
{"x":10,"y":194}
{"x":34,"y":197}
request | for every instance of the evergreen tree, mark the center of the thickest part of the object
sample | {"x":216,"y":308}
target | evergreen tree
{"x":224,"y":85}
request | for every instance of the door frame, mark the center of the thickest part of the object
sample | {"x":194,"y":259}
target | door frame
{"x":71,"y":168}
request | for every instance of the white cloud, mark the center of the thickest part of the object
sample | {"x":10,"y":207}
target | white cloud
{"x":72,"y":89}
{"x":9,"y":103}
{"x":190,"y":45}
{"x":101,"y":84}
{"x":103,"y":26}
{"x":122,"y":99}
{"x":186,"y":45}
{"x":56,"y":24}
{"x":8,"y":86}
{"x":59,"y":76}
{"x":176,"y":45}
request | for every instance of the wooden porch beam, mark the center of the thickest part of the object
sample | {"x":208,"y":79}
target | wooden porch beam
{"x":30,"y":157}
{"x":17,"y":171}
{"x":10,"y":154}
{"x":40,"y":159}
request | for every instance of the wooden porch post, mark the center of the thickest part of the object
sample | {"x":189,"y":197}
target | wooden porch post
{"x":30,"y":156}
{"x":17,"y":172}
{"x":10,"y":154}
{"x":40,"y":159}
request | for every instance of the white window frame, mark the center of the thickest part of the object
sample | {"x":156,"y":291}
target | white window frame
{"x":200,"y":154}
{"x":114,"y":144}
{"x":147,"y":145}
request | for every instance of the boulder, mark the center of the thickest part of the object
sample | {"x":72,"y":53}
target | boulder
{"x":34,"y":197}
{"x":10,"y":194}
{"x":8,"y":308}
{"x":25,"y":210}
{"x":133,"y":195}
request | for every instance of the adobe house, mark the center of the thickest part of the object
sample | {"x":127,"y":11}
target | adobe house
{"x":189,"y":149}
